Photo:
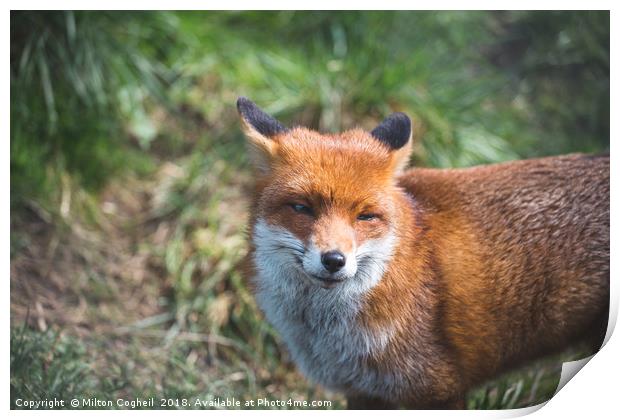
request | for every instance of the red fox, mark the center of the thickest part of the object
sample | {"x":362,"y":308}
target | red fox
{"x":405,"y":288}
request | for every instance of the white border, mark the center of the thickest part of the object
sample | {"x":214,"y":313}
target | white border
{"x":593,"y":394}
{"x":311,"y":5}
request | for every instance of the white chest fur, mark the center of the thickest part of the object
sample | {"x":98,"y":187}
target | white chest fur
{"x":320,"y":325}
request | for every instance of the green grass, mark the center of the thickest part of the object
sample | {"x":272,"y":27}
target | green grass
{"x":52,"y":365}
{"x":130,"y":183}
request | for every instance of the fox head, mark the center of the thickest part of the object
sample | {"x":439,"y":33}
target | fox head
{"x":325,"y":207}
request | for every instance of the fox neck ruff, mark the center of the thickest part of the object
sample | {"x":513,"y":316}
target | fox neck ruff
{"x":322,"y":328}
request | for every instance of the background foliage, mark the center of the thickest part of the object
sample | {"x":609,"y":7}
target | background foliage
{"x":129,"y":180}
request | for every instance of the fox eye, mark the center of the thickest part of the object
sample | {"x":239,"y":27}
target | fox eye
{"x":300,"y":208}
{"x":366,"y":216}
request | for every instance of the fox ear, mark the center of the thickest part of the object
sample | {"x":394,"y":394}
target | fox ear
{"x":395,"y":132}
{"x":260,"y":128}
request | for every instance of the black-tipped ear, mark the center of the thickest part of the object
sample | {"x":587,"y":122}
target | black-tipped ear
{"x":395,"y":130}
{"x":259,"y":120}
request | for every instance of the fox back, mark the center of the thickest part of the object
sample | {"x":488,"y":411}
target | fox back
{"x":409,"y":287}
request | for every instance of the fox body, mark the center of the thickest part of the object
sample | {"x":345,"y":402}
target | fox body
{"x":409,"y":287}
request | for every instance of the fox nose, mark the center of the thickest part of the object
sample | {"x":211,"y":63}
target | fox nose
{"x":333,"y":260}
